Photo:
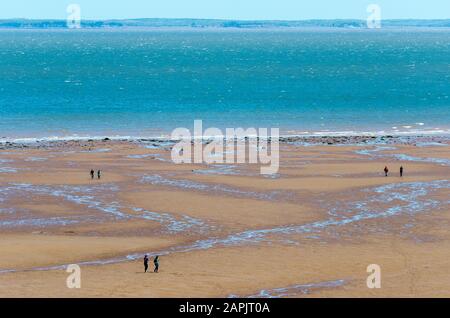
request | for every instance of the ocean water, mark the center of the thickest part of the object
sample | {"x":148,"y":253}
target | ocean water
{"x":148,"y":82}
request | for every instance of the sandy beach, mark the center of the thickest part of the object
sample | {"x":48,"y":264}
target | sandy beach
{"x":225,"y":230}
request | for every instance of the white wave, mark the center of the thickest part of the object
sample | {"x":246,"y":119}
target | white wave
{"x":166,"y":137}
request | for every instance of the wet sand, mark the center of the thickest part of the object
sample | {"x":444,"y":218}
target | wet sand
{"x":225,"y":230}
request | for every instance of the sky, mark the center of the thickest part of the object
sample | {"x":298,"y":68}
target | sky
{"x":226,"y":9}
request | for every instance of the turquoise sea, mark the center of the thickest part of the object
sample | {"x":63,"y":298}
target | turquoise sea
{"x":62,"y":83}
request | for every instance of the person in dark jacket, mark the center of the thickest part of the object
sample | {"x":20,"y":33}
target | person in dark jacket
{"x":145,"y":263}
{"x":401,"y":171}
{"x":386,"y":171}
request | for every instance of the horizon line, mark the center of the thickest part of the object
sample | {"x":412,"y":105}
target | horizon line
{"x":230,"y":19}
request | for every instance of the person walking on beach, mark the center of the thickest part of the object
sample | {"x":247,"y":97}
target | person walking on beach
{"x":99,"y":174}
{"x":401,"y":171}
{"x":145,"y":263}
{"x":386,"y":171}
{"x":92,"y":173}
{"x":156,"y":262}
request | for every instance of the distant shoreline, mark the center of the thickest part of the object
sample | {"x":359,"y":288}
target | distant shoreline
{"x":219,"y":24}
{"x":232,"y":30}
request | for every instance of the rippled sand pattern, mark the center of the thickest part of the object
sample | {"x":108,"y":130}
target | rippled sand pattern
{"x":314,"y":227}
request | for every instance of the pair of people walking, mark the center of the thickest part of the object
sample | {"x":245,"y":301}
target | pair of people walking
{"x":99,"y":174}
{"x":386,"y":171}
{"x":155,"y":262}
